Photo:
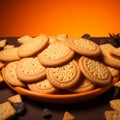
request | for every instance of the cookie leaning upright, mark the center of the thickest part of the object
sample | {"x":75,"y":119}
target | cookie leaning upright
{"x":57,"y":53}
{"x":83,"y":46}
{"x":95,"y":71}
{"x":33,"y":46}
{"x":30,"y":70}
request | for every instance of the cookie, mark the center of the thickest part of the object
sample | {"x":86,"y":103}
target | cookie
{"x":57,"y":53}
{"x":24,"y":39}
{"x":68,"y":116}
{"x":83,"y":46}
{"x":95,"y":71}
{"x":114,"y":72}
{"x":9,"y":74}
{"x":82,"y":85}
{"x":112,"y":115}
{"x":110,"y":55}
{"x":33,"y":46}
{"x":3,"y":43}
{"x":7,"y":111}
{"x":15,"y":99}
{"x":42,"y":86}
{"x":30,"y":70}
{"x":65,"y":76}
{"x":8,"y":47}
{"x":9,"y":55}
{"x":117,"y":84}
{"x":115,"y":104}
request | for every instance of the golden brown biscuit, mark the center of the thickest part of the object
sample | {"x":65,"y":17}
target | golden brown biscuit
{"x":9,"y":74}
{"x":64,"y":76}
{"x":82,"y":85}
{"x":9,"y":55}
{"x":42,"y":86}
{"x":7,"y":111}
{"x":112,"y":115}
{"x":95,"y":71}
{"x":83,"y":46}
{"x":30,"y":70}
{"x":110,"y":55}
{"x":33,"y":46}
{"x":57,"y":53}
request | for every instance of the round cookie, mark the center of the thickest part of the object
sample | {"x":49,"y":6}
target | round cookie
{"x":9,"y":74}
{"x":82,"y":86}
{"x":9,"y":55}
{"x":30,"y":70}
{"x":110,"y":55}
{"x":65,"y":76}
{"x":83,"y":46}
{"x":33,"y":46}
{"x":42,"y":86}
{"x":57,"y":53}
{"x":95,"y":71}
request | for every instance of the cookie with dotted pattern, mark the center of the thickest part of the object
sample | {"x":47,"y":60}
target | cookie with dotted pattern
{"x":64,"y":76}
{"x":83,"y":46}
{"x":30,"y":70}
{"x":57,"y":53}
{"x":95,"y":71}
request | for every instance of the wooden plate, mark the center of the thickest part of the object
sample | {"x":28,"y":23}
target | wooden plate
{"x":63,"y":98}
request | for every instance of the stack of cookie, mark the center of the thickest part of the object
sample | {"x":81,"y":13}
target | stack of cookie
{"x":49,"y":64}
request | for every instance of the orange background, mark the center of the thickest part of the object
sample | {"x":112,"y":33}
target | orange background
{"x":52,"y":17}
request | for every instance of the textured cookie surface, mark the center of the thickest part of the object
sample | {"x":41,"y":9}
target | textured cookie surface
{"x":55,"y":54}
{"x":9,"y":74}
{"x":112,"y":115}
{"x":33,"y":46}
{"x":65,"y":76}
{"x":7,"y":111}
{"x":82,"y":85}
{"x":83,"y":46}
{"x":30,"y":70}
{"x":42,"y":86}
{"x":95,"y":71}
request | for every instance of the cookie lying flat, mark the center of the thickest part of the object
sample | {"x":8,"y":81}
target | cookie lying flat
{"x":95,"y":71}
{"x":57,"y":53}
{"x":110,"y":55}
{"x":64,"y":76}
{"x":115,"y":104}
{"x":30,"y":70}
{"x":7,"y":111}
{"x":15,"y":99}
{"x":82,"y":85}
{"x":9,"y":74}
{"x":33,"y":46}
{"x":68,"y":116}
{"x":9,"y":55}
{"x":42,"y":86}
{"x":112,"y":115}
{"x":83,"y":46}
